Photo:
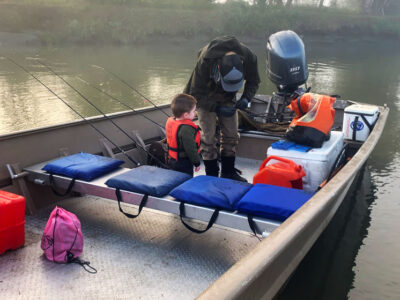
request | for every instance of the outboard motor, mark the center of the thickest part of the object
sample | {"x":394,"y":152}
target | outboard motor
{"x":286,"y":61}
{"x":287,"y":69}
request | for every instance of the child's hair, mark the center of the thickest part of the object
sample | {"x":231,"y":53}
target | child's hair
{"x":181,"y":104}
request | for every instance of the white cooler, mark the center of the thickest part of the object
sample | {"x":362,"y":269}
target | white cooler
{"x":359,"y":132}
{"x":317,"y":162}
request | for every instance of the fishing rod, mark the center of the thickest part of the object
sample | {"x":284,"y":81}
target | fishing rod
{"x":75,"y":111}
{"x":130,"y":86}
{"x":116,"y":99}
{"x":101,"y":112}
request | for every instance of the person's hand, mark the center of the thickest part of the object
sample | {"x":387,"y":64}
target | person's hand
{"x":196,"y":169}
{"x":225,"y":111}
{"x":242,"y":103}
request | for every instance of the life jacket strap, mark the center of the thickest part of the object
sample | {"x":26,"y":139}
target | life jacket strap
{"x":173,"y":149}
{"x":299,"y":106}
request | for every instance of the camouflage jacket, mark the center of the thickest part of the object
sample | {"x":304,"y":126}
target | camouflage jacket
{"x":201,"y":84}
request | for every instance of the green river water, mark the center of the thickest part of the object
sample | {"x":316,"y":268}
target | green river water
{"x":358,"y":256}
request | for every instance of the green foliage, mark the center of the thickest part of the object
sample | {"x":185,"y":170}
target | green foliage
{"x":135,"y":21}
{"x":157,"y":3}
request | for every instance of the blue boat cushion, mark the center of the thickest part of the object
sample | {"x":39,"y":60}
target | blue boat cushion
{"x":272,"y":202}
{"x":83,"y":166}
{"x":148,"y":180}
{"x":211,"y":191}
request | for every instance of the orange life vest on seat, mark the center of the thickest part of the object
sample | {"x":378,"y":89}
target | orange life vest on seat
{"x":314,"y":120}
{"x":302,"y":104}
{"x":172,"y":128}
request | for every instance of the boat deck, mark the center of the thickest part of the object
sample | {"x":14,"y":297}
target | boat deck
{"x":152,"y":257}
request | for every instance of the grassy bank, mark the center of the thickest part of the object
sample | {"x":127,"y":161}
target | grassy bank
{"x":129,"y":22}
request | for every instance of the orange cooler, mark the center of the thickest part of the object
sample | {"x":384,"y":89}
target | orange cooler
{"x":12,"y":221}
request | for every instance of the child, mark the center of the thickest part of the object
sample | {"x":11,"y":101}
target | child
{"x":183,"y":136}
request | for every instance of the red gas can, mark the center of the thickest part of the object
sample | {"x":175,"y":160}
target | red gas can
{"x":12,"y":221}
{"x":285,"y":173}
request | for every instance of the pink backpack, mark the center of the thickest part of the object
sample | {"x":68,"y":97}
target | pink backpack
{"x":62,"y":239}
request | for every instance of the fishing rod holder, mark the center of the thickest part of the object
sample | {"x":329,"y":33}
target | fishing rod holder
{"x":20,"y":184}
{"x":267,"y":109}
{"x":13,"y":175}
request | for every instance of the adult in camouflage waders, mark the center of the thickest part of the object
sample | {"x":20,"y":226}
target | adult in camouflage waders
{"x":223,"y":65}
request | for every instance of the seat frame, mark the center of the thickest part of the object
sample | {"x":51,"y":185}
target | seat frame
{"x":167,"y":204}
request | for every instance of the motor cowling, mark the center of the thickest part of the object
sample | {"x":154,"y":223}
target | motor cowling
{"x":286,"y":61}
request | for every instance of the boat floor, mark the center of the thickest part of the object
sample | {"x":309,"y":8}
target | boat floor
{"x":151,"y":257}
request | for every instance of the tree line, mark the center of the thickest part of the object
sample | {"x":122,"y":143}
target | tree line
{"x":372,"y":7}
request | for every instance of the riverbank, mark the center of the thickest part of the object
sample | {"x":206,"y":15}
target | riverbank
{"x":88,"y":22}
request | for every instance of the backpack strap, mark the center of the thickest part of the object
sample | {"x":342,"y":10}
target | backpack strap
{"x":209,"y":225}
{"x":142,"y":204}
{"x":85,"y":264}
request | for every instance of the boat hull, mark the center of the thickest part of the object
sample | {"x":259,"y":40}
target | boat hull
{"x":263,"y":271}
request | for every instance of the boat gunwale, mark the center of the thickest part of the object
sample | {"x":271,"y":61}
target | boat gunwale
{"x":93,"y":119}
{"x":245,"y":278}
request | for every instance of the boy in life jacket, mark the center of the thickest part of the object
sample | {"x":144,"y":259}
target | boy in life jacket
{"x":183,"y":136}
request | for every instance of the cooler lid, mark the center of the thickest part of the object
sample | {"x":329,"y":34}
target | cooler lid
{"x":364,"y":109}
{"x":317,"y":154}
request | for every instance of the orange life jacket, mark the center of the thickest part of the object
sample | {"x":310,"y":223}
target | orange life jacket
{"x":302,"y":104}
{"x":172,"y":128}
{"x":314,"y":120}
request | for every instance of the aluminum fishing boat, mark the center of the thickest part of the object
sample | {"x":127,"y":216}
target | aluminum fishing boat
{"x":154,"y":256}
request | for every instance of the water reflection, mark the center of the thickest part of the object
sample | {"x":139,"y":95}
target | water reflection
{"x":324,"y":76}
{"x":377,"y":266}
{"x":23,"y":102}
{"x":160,"y":79}
{"x":157,"y":75}
{"x":397,"y":101}
{"x":327,"y":270}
